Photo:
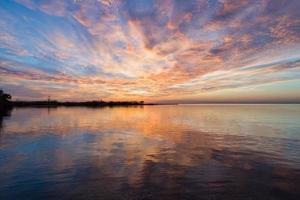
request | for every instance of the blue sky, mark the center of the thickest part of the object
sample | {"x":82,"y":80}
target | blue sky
{"x":158,"y":51}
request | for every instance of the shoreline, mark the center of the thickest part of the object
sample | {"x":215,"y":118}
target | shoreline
{"x":77,"y":104}
{"x":99,"y":104}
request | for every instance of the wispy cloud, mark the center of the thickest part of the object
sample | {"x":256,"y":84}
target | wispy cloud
{"x":147,"y":49}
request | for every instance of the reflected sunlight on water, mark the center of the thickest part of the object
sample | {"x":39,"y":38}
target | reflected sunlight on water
{"x":152,"y":152}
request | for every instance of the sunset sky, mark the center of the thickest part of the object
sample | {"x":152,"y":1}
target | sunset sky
{"x":185,"y":51}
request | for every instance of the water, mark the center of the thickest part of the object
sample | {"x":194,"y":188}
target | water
{"x":151,"y":152}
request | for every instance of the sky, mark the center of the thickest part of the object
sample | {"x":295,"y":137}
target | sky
{"x":180,"y":51}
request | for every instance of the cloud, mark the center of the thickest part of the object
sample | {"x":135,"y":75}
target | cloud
{"x":149,"y":49}
{"x":53,"y":7}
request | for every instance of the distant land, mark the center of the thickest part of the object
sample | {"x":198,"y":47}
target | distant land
{"x":7,"y":103}
{"x":82,"y":103}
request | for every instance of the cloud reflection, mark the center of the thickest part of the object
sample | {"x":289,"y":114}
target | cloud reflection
{"x":106,"y":155}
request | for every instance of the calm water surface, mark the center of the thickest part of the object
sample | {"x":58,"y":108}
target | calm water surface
{"x":151,"y":152}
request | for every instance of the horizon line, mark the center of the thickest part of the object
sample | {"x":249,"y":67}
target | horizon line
{"x":167,"y":102}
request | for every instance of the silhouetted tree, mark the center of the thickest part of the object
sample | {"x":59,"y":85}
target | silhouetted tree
{"x":4,"y":96}
{"x":5,"y":106}
{"x":4,"y":99}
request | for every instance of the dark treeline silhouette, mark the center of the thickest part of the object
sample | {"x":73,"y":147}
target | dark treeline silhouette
{"x":82,"y":103}
{"x":5,"y":103}
{"x":5,"y":107}
{"x":5,"y":100}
